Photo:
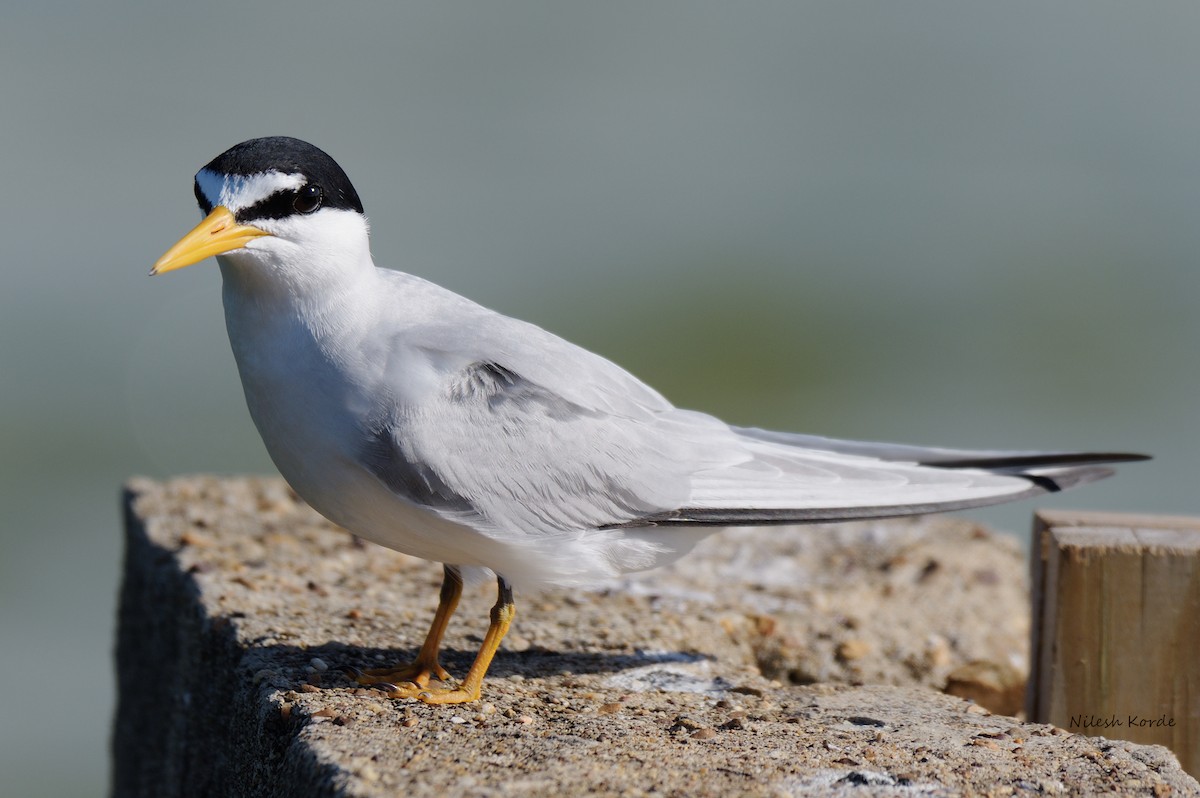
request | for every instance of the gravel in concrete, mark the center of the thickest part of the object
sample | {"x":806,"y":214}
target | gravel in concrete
{"x":797,"y":661}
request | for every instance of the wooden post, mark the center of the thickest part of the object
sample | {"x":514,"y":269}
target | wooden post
{"x":1116,"y":628}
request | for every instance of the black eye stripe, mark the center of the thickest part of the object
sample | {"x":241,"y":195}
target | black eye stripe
{"x":276,"y":206}
{"x":306,"y":200}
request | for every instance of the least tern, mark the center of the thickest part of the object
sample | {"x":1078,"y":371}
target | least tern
{"x":422,"y":421}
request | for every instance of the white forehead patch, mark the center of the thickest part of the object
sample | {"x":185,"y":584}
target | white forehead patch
{"x":237,"y":192}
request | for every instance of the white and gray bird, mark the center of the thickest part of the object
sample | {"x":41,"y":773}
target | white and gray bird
{"x":419,"y":420}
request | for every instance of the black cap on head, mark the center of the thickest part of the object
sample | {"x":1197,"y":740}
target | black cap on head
{"x":285,"y":155}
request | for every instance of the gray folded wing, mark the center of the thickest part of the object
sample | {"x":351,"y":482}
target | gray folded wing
{"x":518,"y":430}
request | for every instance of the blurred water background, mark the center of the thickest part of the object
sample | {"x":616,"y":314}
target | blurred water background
{"x":934,"y":222}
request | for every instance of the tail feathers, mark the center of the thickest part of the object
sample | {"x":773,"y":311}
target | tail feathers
{"x":1057,"y":479}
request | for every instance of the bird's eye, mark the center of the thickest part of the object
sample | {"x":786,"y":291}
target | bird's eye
{"x":308,"y":199}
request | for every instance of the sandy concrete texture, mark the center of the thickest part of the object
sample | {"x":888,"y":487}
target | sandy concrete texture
{"x":772,"y":661}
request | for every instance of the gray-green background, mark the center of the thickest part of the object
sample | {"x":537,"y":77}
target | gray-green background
{"x":952,"y":223}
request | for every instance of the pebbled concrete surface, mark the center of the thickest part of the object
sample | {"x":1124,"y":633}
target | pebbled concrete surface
{"x":800,"y":661}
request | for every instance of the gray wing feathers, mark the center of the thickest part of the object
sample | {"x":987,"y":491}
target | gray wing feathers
{"x":499,"y":424}
{"x":502,"y":452}
{"x":499,"y":451}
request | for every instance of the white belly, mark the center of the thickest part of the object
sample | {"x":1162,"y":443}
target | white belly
{"x":311,"y":416}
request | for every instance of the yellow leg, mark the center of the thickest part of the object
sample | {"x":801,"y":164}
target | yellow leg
{"x":426,"y":666}
{"x":471,"y":687}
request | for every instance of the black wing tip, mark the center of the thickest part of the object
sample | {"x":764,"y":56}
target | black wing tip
{"x":1038,"y":460}
{"x":1052,"y":472}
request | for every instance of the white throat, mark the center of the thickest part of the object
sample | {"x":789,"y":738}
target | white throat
{"x":306,"y":261}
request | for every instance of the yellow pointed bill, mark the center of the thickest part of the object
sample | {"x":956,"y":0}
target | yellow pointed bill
{"x":219,"y":232}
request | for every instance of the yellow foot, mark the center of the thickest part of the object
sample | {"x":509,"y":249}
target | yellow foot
{"x":417,"y":674}
{"x":437,"y":695}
